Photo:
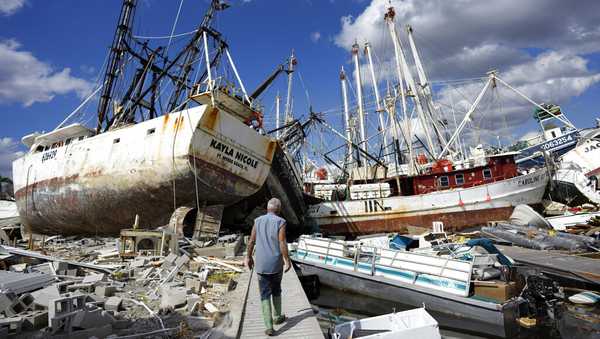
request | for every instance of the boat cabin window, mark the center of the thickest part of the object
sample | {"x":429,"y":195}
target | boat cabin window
{"x":150,"y":131}
{"x":487,"y":174}
{"x":68,"y":141}
{"x":460,"y":179}
{"x":81,"y":137}
{"x":117,"y":140}
{"x":40,"y":148}
{"x":443,"y":181}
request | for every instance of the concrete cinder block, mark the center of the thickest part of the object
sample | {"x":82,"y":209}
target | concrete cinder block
{"x":138,"y":263}
{"x":195,"y":266}
{"x":84,"y":288}
{"x":194,"y":284}
{"x":173,"y":297}
{"x":194,"y":303}
{"x":20,"y":305}
{"x":113,"y":304}
{"x":182,"y":260}
{"x":63,"y":285}
{"x":6,"y":301}
{"x":60,"y":266}
{"x":35,"y":320}
{"x":170,"y":259}
{"x":42,"y":297}
{"x":65,"y":305}
{"x":93,"y":278}
{"x":12,"y":324}
{"x":105,"y":291}
{"x":222,"y":287}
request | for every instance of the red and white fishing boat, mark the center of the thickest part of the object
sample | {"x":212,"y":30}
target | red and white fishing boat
{"x":401,"y":188}
{"x":458,"y":197}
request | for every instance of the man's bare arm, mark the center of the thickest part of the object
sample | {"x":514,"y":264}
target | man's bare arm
{"x":250,"y":250}
{"x":284,"y":248}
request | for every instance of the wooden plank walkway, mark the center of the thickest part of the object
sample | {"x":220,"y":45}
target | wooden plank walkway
{"x":301,"y":322}
{"x":571,"y":266}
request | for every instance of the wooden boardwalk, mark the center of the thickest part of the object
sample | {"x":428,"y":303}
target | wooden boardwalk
{"x":301,"y":322}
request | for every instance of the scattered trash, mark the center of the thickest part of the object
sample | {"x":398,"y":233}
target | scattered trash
{"x":84,"y":287}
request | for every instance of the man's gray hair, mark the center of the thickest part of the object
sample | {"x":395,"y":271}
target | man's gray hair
{"x":274,"y":205}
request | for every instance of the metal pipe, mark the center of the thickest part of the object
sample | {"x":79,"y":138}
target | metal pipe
{"x":237,"y":76}
{"x":208,"y":71}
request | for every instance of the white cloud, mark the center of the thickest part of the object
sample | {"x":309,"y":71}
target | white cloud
{"x":465,"y":39}
{"x":25,"y":79}
{"x":9,"y":7}
{"x":9,"y":151}
{"x":315,"y":36}
{"x":529,"y":135}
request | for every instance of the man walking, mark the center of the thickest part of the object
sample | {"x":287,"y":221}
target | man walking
{"x":268,"y":234}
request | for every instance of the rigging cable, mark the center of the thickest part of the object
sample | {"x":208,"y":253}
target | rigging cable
{"x":164,"y":36}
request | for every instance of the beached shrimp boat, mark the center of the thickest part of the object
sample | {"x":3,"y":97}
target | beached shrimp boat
{"x":459,"y":198}
{"x":416,"y":179}
{"x":577,"y":171}
{"x":207,"y":149}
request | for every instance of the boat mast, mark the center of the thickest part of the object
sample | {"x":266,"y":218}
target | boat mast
{"x":380,"y":109}
{"x":288,"y":101}
{"x":192,"y":52}
{"x":425,"y":88}
{"x":390,"y":106}
{"x":361,"y":113}
{"x":389,"y":19}
{"x":346,"y":114}
{"x":115,"y":59}
{"x":413,"y":92}
{"x":277,"y":113}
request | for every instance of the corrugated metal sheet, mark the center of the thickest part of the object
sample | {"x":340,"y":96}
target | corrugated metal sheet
{"x":18,"y":283}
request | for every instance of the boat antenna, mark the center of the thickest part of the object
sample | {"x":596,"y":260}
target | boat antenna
{"x":115,"y":59}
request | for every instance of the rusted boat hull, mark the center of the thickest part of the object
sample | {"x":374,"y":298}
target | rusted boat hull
{"x":457,"y":208}
{"x":454,"y":220}
{"x":98,"y":185}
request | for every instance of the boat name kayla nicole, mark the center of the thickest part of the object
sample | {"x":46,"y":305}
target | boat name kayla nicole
{"x":226,"y":153}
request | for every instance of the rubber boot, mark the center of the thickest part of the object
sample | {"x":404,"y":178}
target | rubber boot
{"x":278,"y":318}
{"x":267,"y":317}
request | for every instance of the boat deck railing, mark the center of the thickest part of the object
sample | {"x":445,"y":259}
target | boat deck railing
{"x":383,"y":259}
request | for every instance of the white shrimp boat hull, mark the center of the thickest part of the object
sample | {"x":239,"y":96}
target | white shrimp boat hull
{"x":97,"y":185}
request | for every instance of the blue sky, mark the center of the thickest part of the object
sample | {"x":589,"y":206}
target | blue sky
{"x":65,"y":42}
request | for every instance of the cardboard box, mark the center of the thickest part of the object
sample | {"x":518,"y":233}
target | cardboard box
{"x":494,"y":289}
